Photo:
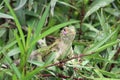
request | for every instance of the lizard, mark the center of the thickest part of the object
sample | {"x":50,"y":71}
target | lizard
{"x":62,"y":46}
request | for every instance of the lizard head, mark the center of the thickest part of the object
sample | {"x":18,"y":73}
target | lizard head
{"x":68,"y":34}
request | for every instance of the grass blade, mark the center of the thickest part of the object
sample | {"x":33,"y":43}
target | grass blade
{"x":12,"y":66}
{"x":16,"y":21}
{"x":42,"y":21}
{"x":98,"y":44}
{"x":96,"y":5}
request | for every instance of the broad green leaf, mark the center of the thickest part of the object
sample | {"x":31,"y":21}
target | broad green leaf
{"x":78,"y":49}
{"x":107,"y":45}
{"x":96,"y":5}
{"x":13,"y":52}
{"x":2,"y":15}
{"x":2,"y":31}
{"x":37,"y":63}
{"x":53,"y":3}
{"x":7,"y":46}
{"x":31,"y":13}
{"x":98,"y":73}
{"x":113,"y":11}
{"x":96,"y":46}
{"x":21,"y":4}
{"x":91,"y":27}
{"x":104,"y":24}
{"x":66,"y":4}
{"x":109,"y":74}
{"x":1,"y":4}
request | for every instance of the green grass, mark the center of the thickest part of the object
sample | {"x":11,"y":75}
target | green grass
{"x":96,"y":44}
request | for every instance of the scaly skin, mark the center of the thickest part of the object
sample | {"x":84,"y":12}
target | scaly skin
{"x":62,"y":46}
{"x":67,"y":36}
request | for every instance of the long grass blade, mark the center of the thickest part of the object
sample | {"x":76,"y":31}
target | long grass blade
{"x":16,"y":21}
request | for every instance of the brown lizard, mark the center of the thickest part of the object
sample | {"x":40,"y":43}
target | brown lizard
{"x":62,"y":46}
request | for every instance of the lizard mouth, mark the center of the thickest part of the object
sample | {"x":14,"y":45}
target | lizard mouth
{"x":64,"y":32}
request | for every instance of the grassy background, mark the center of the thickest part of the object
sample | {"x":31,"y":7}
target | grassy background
{"x":24,"y":22}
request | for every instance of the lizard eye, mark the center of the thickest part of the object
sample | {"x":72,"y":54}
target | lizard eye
{"x":64,"y":31}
